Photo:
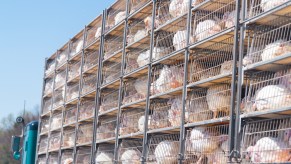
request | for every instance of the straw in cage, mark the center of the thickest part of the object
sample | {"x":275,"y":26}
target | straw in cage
{"x":269,"y":90}
{"x":106,"y":129}
{"x":129,"y":122}
{"x":105,"y":154}
{"x":267,"y":141}
{"x":67,"y":157}
{"x":85,"y":133}
{"x":86,"y":110}
{"x":207,"y":144}
{"x":130,"y":151}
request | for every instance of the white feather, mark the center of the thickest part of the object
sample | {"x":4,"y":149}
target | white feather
{"x":141,"y":121}
{"x":130,"y":157}
{"x":61,"y":58}
{"x":218,"y":97}
{"x":119,"y":17}
{"x":79,"y":46}
{"x":166,"y":152}
{"x":275,"y":49}
{"x":229,"y":18}
{"x":226,"y":67}
{"x":179,"y":40}
{"x":178,"y":7}
{"x":140,"y":86}
{"x":104,"y":158}
{"x":206,"y":28}
{"x":139,"y":35}
{"x":197,"y":109}
{"x":68,"y":161}
{"x":175,"y":111}
{"x":98,"y":32}
{"x":269,"y":4}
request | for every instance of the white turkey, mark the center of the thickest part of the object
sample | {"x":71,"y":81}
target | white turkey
{"x":271,"y":97}
{"x":69,"y":140}
{"x":197,"y":109}
{"x":277,"y":48}
{"x":284,"y":77}
{"x":179,"y":40}
{"x":148,"y":23}
{"x":253,"y":56}
{"x":218,"y":99}
{"x":79,"y":46}
{"x":50,"y":68}
{"x":131,"y":157}
{"x":98,"y":32}
{"x":56,"y":122}
{"x":226,"y":67}
{"x":175,"y":111}
{"x":196,"y":2}
{"x":269,"y":150}
{"x":139,"y":35}
{"x":269,"y":4}
{"x":60,"y":79}
{"x":68,"y":161}
{"x":141,"y":121}
{"x":143,"y":57}
{"x":119,"y":17}
{"x":166,"y":152}
{"x":48,"y":87}
{"x":61,"y":58}
{"x":141,"y":87}
{"x":178,"y":7}
{"x":104,"y":158}
{"x":229,"y":19}
{"x":206,"y":28}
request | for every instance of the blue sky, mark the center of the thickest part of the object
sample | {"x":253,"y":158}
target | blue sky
{"x":30,"y":31}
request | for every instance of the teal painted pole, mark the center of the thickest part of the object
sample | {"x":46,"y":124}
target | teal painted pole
{"x":29,"y":143}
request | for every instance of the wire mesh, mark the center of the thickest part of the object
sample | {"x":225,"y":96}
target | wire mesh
{"x":207,"y":145}
{"x":72,"y":91}
{"x":56,"y":121}
{"x":165,"y":113}
{"x":106,"y":128}
{"x":60,"y":79}
{"x":109,"y":100}
{"x":212,"y":61}
{"x":76,"y":46}
{"x":113,"y":44}
{"x":70,"y":115}
{"x":86,"y":109}
{"x":94,"y":31}
{"x":54,"y":141}
{"x":43,"y":142}
{"x":269,"y":42}
{"x":91,"y":58}
{"x":266,"y":141}
{"x":51,"y":64}
{"x":163,"y":149}
{"x":44,"y":124}
{"x":135,"y":90}
{"x":134,"y":5}
{"x":68,"y":140}
{"x":53,"y":158}
{"x":167,"y":77}
{"x":131,"y":121}
{"x":89,"y":83}
{"x":105,"y":154}
{"x":83,"y":155}
{"x":41,"y":159}
{"x":67,"y":157}
{"x":58,"y":97}
{"x":48,"y":89}
{"x":47,"y":104}
{"x":258,"y":7}
{"x":268,"y":90}
{"x":212,"y":19}
{"x":111,"y":72}
{"x":115,"y":14}
{"x":130,"y":151}
{"x":85,"y":134}
{"x":74,"y":70}
{"x":62,"y":57}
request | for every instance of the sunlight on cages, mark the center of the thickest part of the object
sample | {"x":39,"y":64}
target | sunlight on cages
{"x":131,"y":121}
{"x":86,"y":109}
{"x":108,"y":101}
{"x":83,"y":155}
{"x":56,"y":121}
{"x":90,"y":59}
{"x":135,"y":90}
{"x":70,"y":115}
{"x":58,"y":97}
{"x":111,"y":72}
{"x":106,"y":128}
{"x":68,"y":138}
{"x":72,"y":91}
{"x":85,"y":134}
{"x":54,"y":141}
{"x":105,"y":154}
{"x":89,"y":83}
{"x":115,"y":14}
{"x":130,"y":151}
{"x":74,"y":70}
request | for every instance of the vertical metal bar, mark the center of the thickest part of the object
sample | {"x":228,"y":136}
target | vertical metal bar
{"x":121,"y":84}
{"x":234,"y":83}
{"x":98,"y":83}
{"x":41,"y":109}
{"x":145,"y":137}
{"x":184,"y":93}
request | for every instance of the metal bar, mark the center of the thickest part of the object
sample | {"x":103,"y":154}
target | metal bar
{"x":116,"y":148}
{"x":97,"y":96}
{"x":184,"y":93}
{"x":145,"y":137}
{"x":41,"y":109}
{"x":232,"y":140}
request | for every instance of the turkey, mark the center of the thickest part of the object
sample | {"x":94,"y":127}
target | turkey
{"x":61,"y":58}
{"x":197,"y":109}
{"x":218,"y":157}
{"x":159,"y":117}
{"x":60,"y":79}
{"x":269,"y":4}
{"x":218,"y":99}
{"x":68,"y":161}
{"x":119,"y":17}
{"x":98,"y":32}
{"x":175,"y":111}
{"x":277,"y":48}
{"x":253,"y":56}
{"x":104,"y":158}
{"x":197,"y":70}
{"x":268,"y":150}
{"x":272,"y":97}
{"x":56,"y":122}
{"x":206,"y":28}
{"x":166,"y":152}
{"x":50,"y":68}
{"x":48,"y":87}
{"x":225,"y":145}
{"x":79,"y":46}
{"x":131,"y":157}
{"x":179,"y":40}
{"x":284,"y":77}
{"x":196,"y":2}
{"x":148,"y":23}
{"x":178,"y":7}
{"x":141,"y":87}
{"x":226,"y":67}
{"x":229,"y":19}
{"x":141,"y":121}
{"x":139,"y":35}
{"x":143,"y":57}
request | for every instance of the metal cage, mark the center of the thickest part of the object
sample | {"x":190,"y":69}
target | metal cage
{"x":268,"y":90}
{"x":167,"y":77}
{"x":48,"y":89}
{"x":134,"y":5}
{"x":86,"y":109}
{"x":67,"y":157}
{"x":50,"y":66}
{"x":74,"y":70}
{"x":89,"y":83}
{"x":85,"y":134}
{"x":115,"y":14}
{"x":137,"y":57}
{"x":54,"y":141}
{"x":113,"y":44}
{"x":47,"y":104}
{"x":44,"y":125}
{"x":266,"y":141}
{"x":59,"y":97}
{"x":106,"y":128}
{"x":111,"y":71}
{"x":163,"y":149}
{"x":72,"y":91}
{"x":207,"y":144}
{"x":56,"y":121}
{"x":62,"y":56}
{"x":60,"y":79}
{"x":43,"y":143}
{"x":135,"y":90}
{"x":105,"y":154}
{"x":70,"y":115}
{"x":83,"y":155}
{"x":53,"y":158}
{"x":68,"y":140}
{"x":41,"y":159}
{"x":130,"y":151}
{"x":212,"y":19}
{"x":131,"y":121}
{"x":93,"y":31}
{"x":109,"y":101}
{"x":91,"y":58}
{"x":76,"y":46}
